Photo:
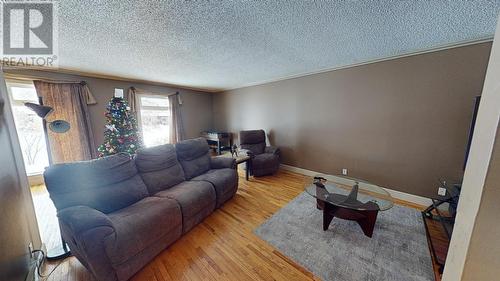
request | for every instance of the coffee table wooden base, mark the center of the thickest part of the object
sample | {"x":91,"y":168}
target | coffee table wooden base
{"x":365,"y":219}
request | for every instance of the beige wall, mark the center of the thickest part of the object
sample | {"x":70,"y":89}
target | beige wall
{"x":196,"y":107}
{"x":474,"y":252}
{"x":483,"y":258}
{"x":401,"y":123}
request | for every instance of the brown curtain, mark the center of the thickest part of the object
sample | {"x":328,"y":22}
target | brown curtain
{"x":69,"y":101}
{"x":132,"y":99}
{"x":176,"y":127}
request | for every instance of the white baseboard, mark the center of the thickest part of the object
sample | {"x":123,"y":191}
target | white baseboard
{"x":415,"y":199}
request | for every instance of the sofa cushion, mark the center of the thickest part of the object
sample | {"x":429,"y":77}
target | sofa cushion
{"x":256,"y":148}
{"x":105,"y":184}
{"x":159,"y":167}
{"x":253,"y":140}
{"x":141,"y":225}
{"x":265,"y":160}
{"x":194,"y":156}
{"x":196,"y":198}
{"x":265,"y":164}
{"x":225,"y":182}
{"x":252,"y":136}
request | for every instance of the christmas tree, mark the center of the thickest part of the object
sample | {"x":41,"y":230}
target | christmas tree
{"x":121,"y":133}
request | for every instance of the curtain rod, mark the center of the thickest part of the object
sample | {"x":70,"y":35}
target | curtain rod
{"x":41,"y":78}
{"x":153,"y":93}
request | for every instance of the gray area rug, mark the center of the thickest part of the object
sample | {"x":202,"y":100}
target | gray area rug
{"x":397,"y":251}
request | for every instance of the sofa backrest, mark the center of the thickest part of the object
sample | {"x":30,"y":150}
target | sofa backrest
{"x":253,"y":140}
{"x":159,"y":167}
{"x":194,"y":156}
{"x":105,"y":184}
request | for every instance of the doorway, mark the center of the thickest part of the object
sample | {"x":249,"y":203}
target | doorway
{"x":30,"y":131}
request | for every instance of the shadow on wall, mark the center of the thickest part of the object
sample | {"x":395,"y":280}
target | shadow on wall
{"x":271,"y":137}
{"x":287,"y":150}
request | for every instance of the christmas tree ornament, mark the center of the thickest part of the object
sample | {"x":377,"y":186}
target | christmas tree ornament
{"x":121,"y":132}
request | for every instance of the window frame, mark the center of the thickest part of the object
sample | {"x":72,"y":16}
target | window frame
{"x":140,"y":107}
{"x":27,"y":84}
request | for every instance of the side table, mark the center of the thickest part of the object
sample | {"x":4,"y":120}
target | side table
{"x":242,"y":159}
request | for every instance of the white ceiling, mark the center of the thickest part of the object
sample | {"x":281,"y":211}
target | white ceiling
{"x":218,"y":45}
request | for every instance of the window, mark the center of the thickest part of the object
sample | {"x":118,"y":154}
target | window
{"x":29,"y":127}
{"x":154,"y":118}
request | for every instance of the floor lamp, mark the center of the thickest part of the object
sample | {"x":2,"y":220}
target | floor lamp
{"x":56,"y":126}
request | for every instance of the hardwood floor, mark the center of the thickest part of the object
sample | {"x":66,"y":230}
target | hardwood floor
{"x":441,"y":244}
{"x":223,"y":247}
{"x":46,"y":215}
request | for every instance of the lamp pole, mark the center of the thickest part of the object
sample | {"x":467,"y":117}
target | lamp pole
{"x":62,"y":251}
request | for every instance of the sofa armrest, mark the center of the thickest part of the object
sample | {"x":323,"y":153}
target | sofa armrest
{"x":88,"y":232}
{"x":82,"y":218}
{"x":220,"y":162}
{"x":246,"y":152}
{"x":273,"y":150}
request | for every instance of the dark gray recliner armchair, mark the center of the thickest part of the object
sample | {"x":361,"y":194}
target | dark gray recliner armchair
{"x":265,"y":159}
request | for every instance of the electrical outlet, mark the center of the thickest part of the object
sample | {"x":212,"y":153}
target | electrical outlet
{"x":30,"y":248}
{"x":441,"y":191}
{"x":344,"y":172}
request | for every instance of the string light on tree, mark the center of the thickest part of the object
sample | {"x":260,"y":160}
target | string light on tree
{"x":121,"y":132}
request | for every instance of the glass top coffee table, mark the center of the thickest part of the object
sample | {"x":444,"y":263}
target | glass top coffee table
{"x":350,"y":199}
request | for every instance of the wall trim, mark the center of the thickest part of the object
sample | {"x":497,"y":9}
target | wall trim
{"x":410,"y":54}
{"x":14,"y":72}
{"x":415,"y":199}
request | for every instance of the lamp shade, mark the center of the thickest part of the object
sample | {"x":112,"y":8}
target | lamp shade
{"x":59,"y":126}
{"x":40,"y":110}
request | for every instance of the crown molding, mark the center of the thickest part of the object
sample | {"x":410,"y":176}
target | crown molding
{"x":410,"y":54}
{"x":69,"y":71}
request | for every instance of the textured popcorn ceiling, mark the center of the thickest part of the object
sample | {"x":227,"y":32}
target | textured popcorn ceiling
{"x":229,"y":44}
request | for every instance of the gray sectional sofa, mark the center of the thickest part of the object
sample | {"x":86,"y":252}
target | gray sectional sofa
{"x":118,"y":213}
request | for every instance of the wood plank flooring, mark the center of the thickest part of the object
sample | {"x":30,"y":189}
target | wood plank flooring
{"x":46,"y":215}
{"x":441,"y":244}
{"x":223,"y":247}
